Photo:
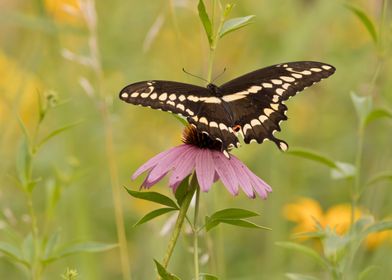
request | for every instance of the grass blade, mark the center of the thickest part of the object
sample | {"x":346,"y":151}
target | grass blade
{"x":366,"y":21}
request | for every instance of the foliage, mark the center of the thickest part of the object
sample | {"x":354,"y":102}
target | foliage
{"x":86,"y":51}
{"x":40,"y":247}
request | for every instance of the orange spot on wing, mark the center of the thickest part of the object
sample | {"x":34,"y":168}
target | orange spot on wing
{"x":236,"y":128}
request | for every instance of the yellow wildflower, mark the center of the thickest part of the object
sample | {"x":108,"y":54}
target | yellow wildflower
{"x":305,"y":212}
{"x":374,"y":240}
{"x":338,"y":218}
{"x":64,"y":11}
{"x":18,"y":90}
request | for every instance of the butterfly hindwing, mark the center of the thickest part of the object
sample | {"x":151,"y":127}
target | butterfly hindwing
{"x":212,"y":120}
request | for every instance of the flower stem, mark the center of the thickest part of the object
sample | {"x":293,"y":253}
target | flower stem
{"x":180,"y":220}
{"x":214,"y":42}
{"x":355,"y":193}
{"x":196,"y":234}
{"x":35,"y":268}
{"x":210,"y":64}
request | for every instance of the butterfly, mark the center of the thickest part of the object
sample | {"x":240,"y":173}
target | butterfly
{"x":251,"y":105}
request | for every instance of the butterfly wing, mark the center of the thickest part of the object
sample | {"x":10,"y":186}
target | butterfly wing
{"x":256,"y":99}
{"x":178,"y":98}
{"x":197,"y":104}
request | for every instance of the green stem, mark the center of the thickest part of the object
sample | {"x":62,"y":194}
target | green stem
{"x":210,"y":64}
{"x":35,"y":268}
{"x":381,"y":28}
{"x":196,"y":234}
{"x":214,"y":43}
{"x":116,"y":194}
{"x":180,"y":220}
{"x":355,"y":193}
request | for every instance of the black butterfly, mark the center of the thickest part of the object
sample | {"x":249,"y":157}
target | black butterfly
{"x":251,"y":105}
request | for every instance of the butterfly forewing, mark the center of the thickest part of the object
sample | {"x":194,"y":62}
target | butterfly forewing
{"x":179,"y":98}
{"x":256,"y":99}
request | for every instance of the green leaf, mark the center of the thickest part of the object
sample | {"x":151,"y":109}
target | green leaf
{"x":231,"y":216}
{"x":82,"y":247}
{"x":368,"y":272}
{"x":154,"y":197}
{"x":210,"y":223}
{"x":56,"y":132}
{"x":243,"y":223}
{"x":182,"y":190}
{"x":51,"y":244}
{"x":377,"y":227}
{"x":376,"y":115}
{"x":339,"y":170}
{"x":153,"y":214}
{"x":23,"y":163}
{"x":296,"y":276}
{"x":28,"y":248}
{"x":205,"y":20}
{"x":233,"y":213}
{"x":163,"y":273}
{"x":12,"y":252}
{"x":362,"y":223}
{"x":310,"y":234}
{"x":234,"y":24}
{"x":23,"y":128}
{"x":363,"y":105}
{"x":311,"y":155}
{"x":383,"y":176}
{"x":305,"y":250}
{"x":335,"y":246}
{"x":206,"y":276}
{"x":344,"y":170}
{"x":181,"y":120}
{"x":366,"y":21}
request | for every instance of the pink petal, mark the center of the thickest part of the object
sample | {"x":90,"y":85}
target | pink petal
{"x":225,"y":172}
{"x":261,"y":187}
{"x":148,"y":183}
{"x":151,"y":163}
{"x":169,"y":161}
{"x":216,"y":176}
{"x":183,"y":166}
{"x":242,"y":176}
{"x":205,"y":169}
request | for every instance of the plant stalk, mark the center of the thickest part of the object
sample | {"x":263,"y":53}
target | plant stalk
{"x":102,"y":106}
{"x":196,"y":234}
{"x":214,"y":43}
{"x":355,"y":193}
{"x":180,"y":221}
{"x":35,"y":268}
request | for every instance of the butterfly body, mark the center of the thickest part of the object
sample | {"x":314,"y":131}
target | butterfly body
{"x":250,"y":105}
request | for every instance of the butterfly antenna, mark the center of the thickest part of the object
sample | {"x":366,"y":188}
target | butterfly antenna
{"x":186,"y":72}
{"x":224,"y":70}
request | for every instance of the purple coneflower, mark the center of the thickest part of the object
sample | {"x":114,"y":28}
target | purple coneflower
{"x":201,"y":154}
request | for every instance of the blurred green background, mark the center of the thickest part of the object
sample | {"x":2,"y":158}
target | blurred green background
{"x":47,"y":46}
